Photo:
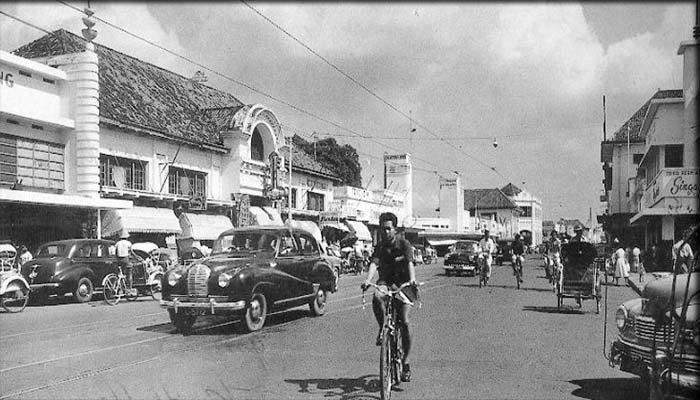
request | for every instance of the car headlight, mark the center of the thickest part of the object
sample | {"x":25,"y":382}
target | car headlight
{"x":224,"y":279}
{"x":621,"y":317}
{"x":173,"y":277}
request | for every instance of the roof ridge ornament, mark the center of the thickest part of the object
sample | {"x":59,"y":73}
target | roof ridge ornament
{"x":89,"y":32}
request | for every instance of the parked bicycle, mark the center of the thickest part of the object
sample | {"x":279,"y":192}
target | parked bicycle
{"x":391,"y":353}
{"x":116,"y":287}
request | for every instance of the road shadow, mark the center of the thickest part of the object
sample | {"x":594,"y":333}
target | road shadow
{"x":610,"y":389}
{"x":523,"y":288}
{"x":223,"y":325}
{"x":554,"y":310}
{"x":363,"y":387}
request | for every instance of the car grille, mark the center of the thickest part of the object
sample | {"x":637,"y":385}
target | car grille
{"x":197,"y":278}
{"x":644,"y":329}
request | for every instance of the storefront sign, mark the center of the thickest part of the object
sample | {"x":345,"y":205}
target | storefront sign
{"x":6,"y":79}
{"x":672,"y":183}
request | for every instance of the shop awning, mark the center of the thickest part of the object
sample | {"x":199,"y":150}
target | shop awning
{"x":441,"y":242}
{"x":64,"y":200}
{"x":360,"y":230}
{"x":658,"y":211}
{"x":266,"y":216}
{"x":203,"y":226}
{"x":140,"y":220}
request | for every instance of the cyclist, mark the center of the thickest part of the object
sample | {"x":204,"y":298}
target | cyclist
{"x":488,"y":247}
{"x":393,"y":260}
{"x":555,"y":257}
{"x":123,"y":249}
{"x":518,"y":251}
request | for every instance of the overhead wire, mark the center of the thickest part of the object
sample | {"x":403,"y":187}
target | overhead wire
{"x":247,"y":86}
{"x":381,"y":99}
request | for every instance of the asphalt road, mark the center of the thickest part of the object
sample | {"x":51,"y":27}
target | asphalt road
{"x":496,"y":342}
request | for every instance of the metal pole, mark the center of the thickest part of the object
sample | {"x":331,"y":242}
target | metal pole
{"x":289,"y":205}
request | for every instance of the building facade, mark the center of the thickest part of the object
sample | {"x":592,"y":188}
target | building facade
{"x":530,"y":219}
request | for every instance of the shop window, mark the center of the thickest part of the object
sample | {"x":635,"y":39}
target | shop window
{"x":187,"y":183}
{"x":32,"y":163}
{"x":122,"y":172}
{"x":315,"y":201}
{"x":256,"y":146}
{"x":527,"y":211}
{"x":674,"y":156}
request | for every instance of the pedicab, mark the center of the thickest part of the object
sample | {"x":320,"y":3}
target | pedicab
{"x":579,"y":276}
{"x":14,"y":289}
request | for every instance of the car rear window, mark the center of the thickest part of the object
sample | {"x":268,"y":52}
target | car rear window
{"x":466,"y":246}
{"x":243,"y":242}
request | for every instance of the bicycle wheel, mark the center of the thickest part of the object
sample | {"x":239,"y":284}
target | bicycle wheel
{"x":15,"y":298}
{"x":397,"y":354}
{"x":385,"y":366}
{"x":113,"y":289}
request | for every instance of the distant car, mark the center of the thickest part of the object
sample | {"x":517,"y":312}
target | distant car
{"x":336,"y":262}
{"x":251,"y":272}
{"x":76,"y":266}
{"x":504,"y":250}
{"x":463,"y":259}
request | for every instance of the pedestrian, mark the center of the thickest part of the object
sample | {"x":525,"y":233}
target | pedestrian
{"x":123,"y":250}
{"x":24,"y":255}
{"x":619,"y":261}
{"x":634,"y":259}
{"x":578,"y":234}
{"x":682,"y":253}
{"x":651,"y":259}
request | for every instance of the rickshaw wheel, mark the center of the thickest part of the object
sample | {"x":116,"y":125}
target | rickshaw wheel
{"x":15,"y":299}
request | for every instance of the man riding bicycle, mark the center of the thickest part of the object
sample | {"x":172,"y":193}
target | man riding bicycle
{"x":518,"y":251}
{"x":393,"y":260}
{"x":487,"y":247}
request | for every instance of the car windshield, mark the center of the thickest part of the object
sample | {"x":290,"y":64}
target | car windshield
{"x":245,"y":243}
{"x":466,"y":246}
{"x":53,"y":250}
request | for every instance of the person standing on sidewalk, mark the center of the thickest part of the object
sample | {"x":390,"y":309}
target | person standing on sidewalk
{"x":620,"y":262}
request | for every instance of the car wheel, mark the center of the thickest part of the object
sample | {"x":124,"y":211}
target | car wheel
{"x":183,"y":323}
{"x":255,"y":313}
{"x":83,"y":290}
{"x":318,"y":303}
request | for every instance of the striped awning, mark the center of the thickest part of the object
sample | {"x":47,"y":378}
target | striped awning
{"x":204,"y":226}
{"x":139,"y":220}
{"x":360,"y":230}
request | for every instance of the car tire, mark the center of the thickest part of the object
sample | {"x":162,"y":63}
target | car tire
{"x":255,"y":313}
{"x":317,"y":305}
{"x":183,"y":323}
{"x":83,"y":290}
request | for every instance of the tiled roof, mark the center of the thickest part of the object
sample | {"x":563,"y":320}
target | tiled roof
{"x":511,"y":190}
{"x":304,"y":161}
{"x":137,"y":94}
{"x":486,"y":198}
{"x":636,"y":120}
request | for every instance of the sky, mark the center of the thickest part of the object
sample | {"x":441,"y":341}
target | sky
{"x":530,"y":75}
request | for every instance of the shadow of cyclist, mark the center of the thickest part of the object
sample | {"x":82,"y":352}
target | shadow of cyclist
{"x":343,"y":388}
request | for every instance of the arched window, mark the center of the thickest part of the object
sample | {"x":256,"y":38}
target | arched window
{"x":256,"y":146}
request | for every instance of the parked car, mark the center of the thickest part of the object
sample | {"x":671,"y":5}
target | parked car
{"x":76,"y":266}
{"x":339,"y":264}
{"x":504,"y":250}
{"x":463,"y":258}
{"x":663,"y":350}
{"x":251,"y":272}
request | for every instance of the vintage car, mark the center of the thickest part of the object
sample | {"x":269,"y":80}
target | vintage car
{"x":504,"y":250}
{"x":76,"y":266}
{"x":251,"y":272}
{"x":661,"y":347}
{"x":463,"y":258}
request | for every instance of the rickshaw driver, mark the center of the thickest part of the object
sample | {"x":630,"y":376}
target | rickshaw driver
{"x":393,"y":260}
{"x":555,"y":257}
{"x":518,"y":251}
{"x":488,"y":247}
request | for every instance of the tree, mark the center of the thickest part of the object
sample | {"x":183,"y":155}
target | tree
{"x":342,"y":160}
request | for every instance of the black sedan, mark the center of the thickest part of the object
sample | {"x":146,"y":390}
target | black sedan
{"x":251,"y":272}
{"x":463,"y":258}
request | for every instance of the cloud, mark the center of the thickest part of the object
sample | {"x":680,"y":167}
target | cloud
{"x":133,"y":17}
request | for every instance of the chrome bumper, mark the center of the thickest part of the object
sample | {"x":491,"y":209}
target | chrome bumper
{"x":460,"y":267}
{"x":39,"y":286}
{"x":207,"y":305}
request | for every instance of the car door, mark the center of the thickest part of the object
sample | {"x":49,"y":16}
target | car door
{"x":290,"y":265}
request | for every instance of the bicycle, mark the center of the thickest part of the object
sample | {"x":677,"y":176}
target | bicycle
{"x":484,"y":270}
{"x":115,"y":287}
{"x":518,"y":269}
{"x":391,"y":353}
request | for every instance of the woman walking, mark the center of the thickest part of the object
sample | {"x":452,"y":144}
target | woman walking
{"x":620,"y":262}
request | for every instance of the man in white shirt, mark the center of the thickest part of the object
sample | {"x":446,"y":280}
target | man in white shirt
{"x":488,"y":247}
{"x":682,"y":253}
{"x":123,"y":249}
